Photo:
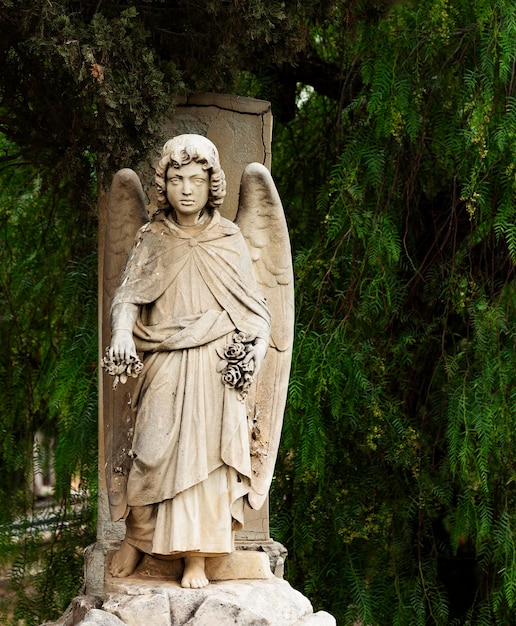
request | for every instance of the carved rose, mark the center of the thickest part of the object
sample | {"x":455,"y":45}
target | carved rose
{"x":234,"y":352}
{"x":121,"y":369}
{"x":231,"y":376}
{"x":235,"y":373}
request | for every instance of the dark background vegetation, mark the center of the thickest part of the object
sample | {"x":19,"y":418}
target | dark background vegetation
{"x":394,"y":152}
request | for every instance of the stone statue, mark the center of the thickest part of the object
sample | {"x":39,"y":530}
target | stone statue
{"x":209,"y":304}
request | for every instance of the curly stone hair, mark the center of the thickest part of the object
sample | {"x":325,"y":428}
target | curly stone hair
{"x":182,"y":150}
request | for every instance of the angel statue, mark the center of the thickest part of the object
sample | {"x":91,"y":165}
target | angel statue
{"x":208,"y":303}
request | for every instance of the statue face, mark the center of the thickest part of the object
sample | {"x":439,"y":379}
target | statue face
{"x":187,"y":191}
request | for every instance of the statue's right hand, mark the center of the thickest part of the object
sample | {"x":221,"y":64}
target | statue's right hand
{"x":122,"y":345}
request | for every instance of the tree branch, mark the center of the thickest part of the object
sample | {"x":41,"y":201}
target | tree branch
{"x":326,"y":78}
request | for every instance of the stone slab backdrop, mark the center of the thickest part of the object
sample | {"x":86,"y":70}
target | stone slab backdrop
{"x":241,"y":128}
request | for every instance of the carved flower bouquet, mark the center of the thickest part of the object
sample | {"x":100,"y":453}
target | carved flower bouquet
{"x":235,"y":373}
{"x":121,"y":369}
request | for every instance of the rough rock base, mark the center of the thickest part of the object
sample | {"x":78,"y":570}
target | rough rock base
{"x":271,"y":602}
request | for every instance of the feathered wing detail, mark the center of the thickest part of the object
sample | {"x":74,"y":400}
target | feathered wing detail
{"x":126,"y":213}
{"x":262,"y":221}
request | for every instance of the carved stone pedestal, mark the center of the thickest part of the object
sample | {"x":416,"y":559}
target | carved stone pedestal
{"x":239,"y":565}
{"x":251,"y":560}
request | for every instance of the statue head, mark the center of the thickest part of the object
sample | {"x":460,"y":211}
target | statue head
{"x":182,"y":150}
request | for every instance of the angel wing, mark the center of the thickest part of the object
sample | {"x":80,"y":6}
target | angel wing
{"x":126,"y":213}
{"x":262,"y":221}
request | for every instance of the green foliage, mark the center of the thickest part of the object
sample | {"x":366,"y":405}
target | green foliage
{"x":88,"y":81}
{"x":78,"y":83}
{"x":44,"y":552}
{"x":395,"y":488}
{"x":48,"y":386}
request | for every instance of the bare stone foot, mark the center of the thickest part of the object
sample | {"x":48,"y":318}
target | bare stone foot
{"x":124,"y":561}
{"x":194,"y":576}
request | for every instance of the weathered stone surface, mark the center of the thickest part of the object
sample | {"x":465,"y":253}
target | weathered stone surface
{"x":270,"y":602}
{"x":97,"y":617}
{"x":78,"y":608}
{"x":94,"y":559}
{"x":239,"y":565}
{"x":276,"y":552}
{"x":219,"y":610}
{"x":150,"y":567}
{"x":141,"y":610}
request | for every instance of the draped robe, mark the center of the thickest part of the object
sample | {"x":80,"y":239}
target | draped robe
{"x":191,"y":459}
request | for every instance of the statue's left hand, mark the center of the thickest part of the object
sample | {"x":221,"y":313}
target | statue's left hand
{"x":257,"y":353}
